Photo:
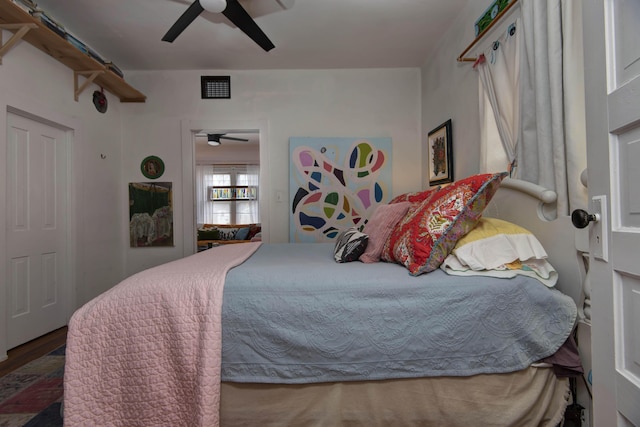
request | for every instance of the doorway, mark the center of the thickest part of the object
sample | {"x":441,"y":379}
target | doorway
{"x":227,"y":162}
{"x":189,"y":130}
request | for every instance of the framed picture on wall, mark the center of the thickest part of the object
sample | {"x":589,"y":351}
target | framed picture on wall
{"x":440,"y":154}
{"x":150,"y":214}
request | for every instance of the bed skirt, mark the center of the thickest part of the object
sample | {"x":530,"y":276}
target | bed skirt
{"x":531,"y":397}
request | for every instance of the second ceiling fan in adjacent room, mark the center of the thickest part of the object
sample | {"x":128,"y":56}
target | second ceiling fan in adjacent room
{"x":214,"y":138}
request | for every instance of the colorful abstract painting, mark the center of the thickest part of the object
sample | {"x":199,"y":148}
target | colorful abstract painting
{"x":336,"y":183}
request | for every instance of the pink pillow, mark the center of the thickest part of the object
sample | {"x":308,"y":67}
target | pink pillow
{"x":429,"y":232}
{"x":380,"y":225}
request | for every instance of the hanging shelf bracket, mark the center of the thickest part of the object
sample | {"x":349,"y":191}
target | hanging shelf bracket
{"x":15,"y":38}
{"x":90,"y":77}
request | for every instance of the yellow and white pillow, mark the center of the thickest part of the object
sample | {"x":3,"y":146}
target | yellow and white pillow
{"x":500,"y":249}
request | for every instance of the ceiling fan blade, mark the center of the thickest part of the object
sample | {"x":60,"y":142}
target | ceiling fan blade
{"x":241,"y":19}
{"x":183,"y":22}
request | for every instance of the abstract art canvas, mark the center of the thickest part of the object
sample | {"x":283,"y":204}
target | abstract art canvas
{"x":335,"y":184}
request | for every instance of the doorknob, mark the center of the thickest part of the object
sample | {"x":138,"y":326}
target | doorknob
{"x":580,"y":218}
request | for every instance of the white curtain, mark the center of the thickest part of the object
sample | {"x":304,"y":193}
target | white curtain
{"x":532,"y":100}
{"x":204,"y":179}
{"x":552,"y":151}
{"x":253,"y":178}
{"x":499,"y":73}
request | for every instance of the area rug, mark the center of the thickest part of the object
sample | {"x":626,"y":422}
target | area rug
{"x":32,"y":395}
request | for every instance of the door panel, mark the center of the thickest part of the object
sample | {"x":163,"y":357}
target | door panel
{"x":19,"y":286}
{"x":624,"y":121}
{"x":630,"y":315}
{"x":629,"y":177}
{"x":36,"y":229}
{"x":626,"y":14}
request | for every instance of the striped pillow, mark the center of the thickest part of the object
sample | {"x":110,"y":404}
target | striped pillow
{"x":350,"y":244}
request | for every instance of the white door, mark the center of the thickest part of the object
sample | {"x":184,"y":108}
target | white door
{"x":612,"y":70}
{"x":37,"y":292}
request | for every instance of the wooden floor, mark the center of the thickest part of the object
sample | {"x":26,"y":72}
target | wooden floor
{"x":27,"y":352}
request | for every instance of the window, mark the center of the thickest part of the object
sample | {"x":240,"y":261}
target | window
{"x":216,"y":184}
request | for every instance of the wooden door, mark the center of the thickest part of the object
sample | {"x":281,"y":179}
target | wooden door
{"x":36,"y":264}
{"x":612,"y":81}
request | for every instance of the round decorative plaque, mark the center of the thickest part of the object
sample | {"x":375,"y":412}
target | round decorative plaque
{"x":152,"y":167}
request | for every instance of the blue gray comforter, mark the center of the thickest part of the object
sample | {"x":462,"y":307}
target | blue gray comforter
{"x":291,"y":314}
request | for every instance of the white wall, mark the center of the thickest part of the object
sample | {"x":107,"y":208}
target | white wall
{"x":368,"y":103}
{"x":284,"y":103}
{"x":33,"y":82}
{"x":450,"y":91}
{"x":403,"y":104}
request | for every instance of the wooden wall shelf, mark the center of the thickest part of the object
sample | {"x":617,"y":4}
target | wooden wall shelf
{"x":52,"y":44}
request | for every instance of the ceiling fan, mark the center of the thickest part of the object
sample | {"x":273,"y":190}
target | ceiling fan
{"x":229,"y":8}
{"x":214,"y":138}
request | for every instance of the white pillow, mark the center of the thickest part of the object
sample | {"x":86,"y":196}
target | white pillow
{"x":499,"y":248}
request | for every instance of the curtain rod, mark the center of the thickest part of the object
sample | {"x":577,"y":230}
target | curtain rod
{"x":499,"y":16}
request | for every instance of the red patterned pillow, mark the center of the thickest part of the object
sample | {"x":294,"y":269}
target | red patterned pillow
{"x":415,"y":197}
{"x":428,"y":233}
{"x":402,"y":229}
{"x":379,"y":226}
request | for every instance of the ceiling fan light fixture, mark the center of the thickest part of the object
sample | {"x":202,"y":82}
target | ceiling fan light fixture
{"x":213,"y":140}
{"x":214,"y":6}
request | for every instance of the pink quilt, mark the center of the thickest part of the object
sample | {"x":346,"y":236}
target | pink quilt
{"x":147,"y":352}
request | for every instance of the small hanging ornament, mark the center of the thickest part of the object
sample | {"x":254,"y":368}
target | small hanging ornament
{"x":100,"y":101}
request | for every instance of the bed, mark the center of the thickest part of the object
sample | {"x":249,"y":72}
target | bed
{"x":237,"y":336}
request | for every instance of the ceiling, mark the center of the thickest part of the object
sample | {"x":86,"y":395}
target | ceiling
{"x":308,"y":34}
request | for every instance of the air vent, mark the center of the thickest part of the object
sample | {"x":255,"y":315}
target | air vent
{"x":215,"y":87}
